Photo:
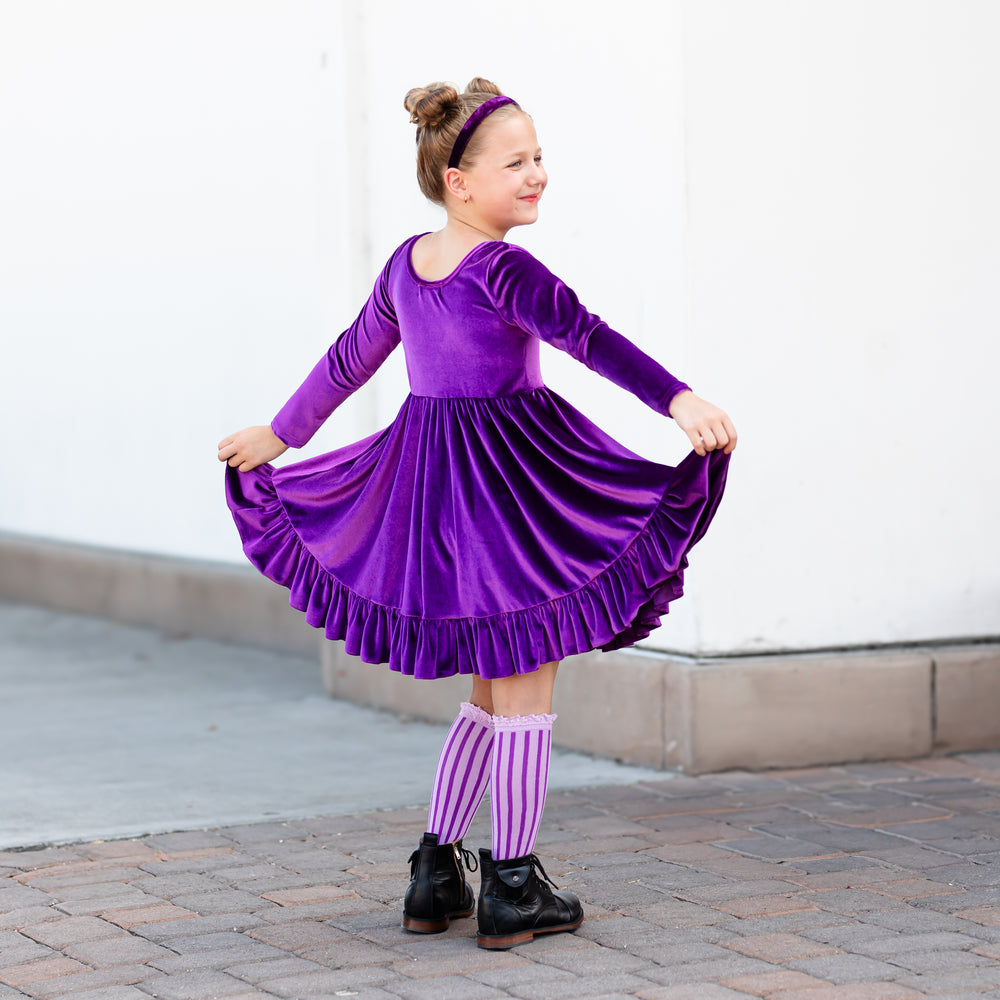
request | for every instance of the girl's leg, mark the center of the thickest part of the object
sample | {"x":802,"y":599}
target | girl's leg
{"x":463,"y":769}
{"x":521,"y":751}
{"x":515,"y":903}
{"x":438,"y":890}
{"x":524,"y":694}
{"x":482,"y":693}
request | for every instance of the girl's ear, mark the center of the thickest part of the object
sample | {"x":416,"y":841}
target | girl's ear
{"x":454,"y":183}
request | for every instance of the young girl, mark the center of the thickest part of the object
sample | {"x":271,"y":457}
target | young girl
{"x":491,"y":529}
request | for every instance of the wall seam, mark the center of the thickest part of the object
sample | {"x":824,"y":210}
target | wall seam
{"x":688,"y":284}
{"x":934,"y":705}
{"x":357,"y":141}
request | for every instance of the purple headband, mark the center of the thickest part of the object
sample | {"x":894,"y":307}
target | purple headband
{"x":472,"y":123}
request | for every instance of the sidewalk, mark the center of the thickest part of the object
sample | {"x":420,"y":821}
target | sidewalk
{"x":864,"y":882}
{"x":111,"y":732}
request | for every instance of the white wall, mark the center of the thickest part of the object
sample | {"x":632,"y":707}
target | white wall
{"x":165,"y":263}
{"x":793,"y":206}
{"x":843,"y":162}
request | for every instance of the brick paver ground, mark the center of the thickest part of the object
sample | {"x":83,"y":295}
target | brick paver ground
{"x":866,"y":882}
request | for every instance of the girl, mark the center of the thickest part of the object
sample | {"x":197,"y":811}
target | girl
{"x":491,"y":529}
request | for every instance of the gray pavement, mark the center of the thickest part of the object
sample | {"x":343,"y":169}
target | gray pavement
{"x":873,"y":881}
{"x":110,"y":731}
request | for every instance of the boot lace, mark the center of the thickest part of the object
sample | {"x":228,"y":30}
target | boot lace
{"x":536,"y":864}
{"x":471,"y":861}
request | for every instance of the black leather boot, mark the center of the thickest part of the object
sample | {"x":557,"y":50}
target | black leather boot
{"x":437,"y":891}
{"x":515,"y":904}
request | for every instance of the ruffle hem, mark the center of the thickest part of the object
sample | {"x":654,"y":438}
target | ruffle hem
{"x":619,"y":606}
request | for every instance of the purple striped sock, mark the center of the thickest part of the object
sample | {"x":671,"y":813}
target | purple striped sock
{"x":463,"y":772}
{"x":521,"y":751}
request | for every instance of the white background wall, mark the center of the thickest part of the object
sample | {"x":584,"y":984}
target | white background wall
{"x":793,"y":206}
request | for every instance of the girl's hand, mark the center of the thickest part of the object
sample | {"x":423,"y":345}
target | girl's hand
{"x":706,"y":425}
{"x":254,"y":446}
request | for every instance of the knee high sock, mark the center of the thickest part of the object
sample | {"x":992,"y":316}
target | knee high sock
{"x":521,"y":752}
{"x":463,"y":772}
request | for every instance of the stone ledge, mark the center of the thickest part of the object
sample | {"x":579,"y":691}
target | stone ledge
{"x":213,"y":600}
{"x":793,"y":710}
{"x":798,"y":710}
{"x":967,"y":702}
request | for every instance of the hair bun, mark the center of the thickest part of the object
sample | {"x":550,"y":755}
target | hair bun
{"x":430,"y":106}
{"x":480,"y":85}
{"x":440,"y":112}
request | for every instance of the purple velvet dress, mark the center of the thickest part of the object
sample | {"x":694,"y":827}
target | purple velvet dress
{"x":491,"y":527}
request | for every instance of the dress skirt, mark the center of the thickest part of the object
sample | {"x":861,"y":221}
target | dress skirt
{"x":484,"y":535}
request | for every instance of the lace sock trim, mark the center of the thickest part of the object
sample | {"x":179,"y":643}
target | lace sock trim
{"x":476,"y":714}
{"x":510,"y":723}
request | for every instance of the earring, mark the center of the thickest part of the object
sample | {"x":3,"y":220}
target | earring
{"x":466,"y":199}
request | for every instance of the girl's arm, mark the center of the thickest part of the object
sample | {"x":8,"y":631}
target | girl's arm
{"x":347,"y":365}
{"x":531,"y":297}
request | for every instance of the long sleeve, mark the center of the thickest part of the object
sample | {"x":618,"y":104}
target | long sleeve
{"x":529,"y":296}
{"x":350,"y":362}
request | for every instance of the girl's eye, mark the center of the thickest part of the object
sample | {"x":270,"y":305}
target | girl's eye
{"x":538,"y":159}
{"x":516,"y":163}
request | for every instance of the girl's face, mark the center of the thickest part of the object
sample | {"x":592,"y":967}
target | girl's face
{"x":507,"y":179}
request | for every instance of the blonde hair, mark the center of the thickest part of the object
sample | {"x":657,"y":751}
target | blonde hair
{"x":439,"y":111}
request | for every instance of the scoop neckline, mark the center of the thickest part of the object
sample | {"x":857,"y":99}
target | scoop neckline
{"x":418,"y":277}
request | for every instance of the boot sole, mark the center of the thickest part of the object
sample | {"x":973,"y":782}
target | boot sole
{"x":417,"y":925}
{"x":497,"y":942}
